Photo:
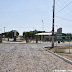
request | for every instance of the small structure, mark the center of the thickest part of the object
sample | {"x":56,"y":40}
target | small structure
{"x":59,"y":30}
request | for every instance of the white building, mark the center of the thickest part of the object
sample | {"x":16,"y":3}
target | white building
{"x":45,"y":36}
{"x":48,"y":36}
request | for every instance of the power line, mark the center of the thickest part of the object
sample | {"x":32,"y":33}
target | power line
{"x":58,"y":2}
{"x":64,"y":18}
{"x":67,"y":8}
{"x":70,"y":12}
{"x":64,"y":7}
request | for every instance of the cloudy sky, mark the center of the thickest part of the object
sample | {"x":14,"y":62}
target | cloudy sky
{"x":28,"y":15}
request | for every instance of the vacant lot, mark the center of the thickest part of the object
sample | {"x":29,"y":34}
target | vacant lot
{"x":29,"y":58}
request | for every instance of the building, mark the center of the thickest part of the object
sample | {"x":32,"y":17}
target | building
{"x":45,"y":36}
{"x":59,"y":30}
{"x":48,"y":35}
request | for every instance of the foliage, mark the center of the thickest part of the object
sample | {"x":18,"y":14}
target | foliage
{"x":10,"y":34}
{"x":31,"y":34}
{"x":37,"y":37}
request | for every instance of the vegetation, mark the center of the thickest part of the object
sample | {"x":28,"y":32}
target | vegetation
{"x":31,"y":34}
{"x":10,"y":34}
{"x":59,"y":51}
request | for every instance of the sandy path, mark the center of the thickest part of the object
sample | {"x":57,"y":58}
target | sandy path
{"x":29,"y":58}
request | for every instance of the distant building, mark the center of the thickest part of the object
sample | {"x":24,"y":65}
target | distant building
{"x":59,"y":30}
{"x":45,"y":36}
{"x":48,"y":35}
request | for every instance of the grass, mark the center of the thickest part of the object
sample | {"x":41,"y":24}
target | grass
{"x":66,"y":55}
{"x":58,"y":51}
{"x":48,"y":48}
{"x":61,"y":50}
{"x":55,"y":50}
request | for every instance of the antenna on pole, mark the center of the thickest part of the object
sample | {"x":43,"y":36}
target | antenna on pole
{"x":43,"y":24}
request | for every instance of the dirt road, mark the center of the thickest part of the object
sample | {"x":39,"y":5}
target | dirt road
{"x":29,"y":58}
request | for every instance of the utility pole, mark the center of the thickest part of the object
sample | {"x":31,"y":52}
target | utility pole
{"x":53,"y":24}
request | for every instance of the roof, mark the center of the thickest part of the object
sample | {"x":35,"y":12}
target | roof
{"x":43,"y":34}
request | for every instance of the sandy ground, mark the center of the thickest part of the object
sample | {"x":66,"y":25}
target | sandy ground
{"x":29,"y":58}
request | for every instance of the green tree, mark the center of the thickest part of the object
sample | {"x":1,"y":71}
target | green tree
{"x":31,"y":34}
{"x":10,"y":34}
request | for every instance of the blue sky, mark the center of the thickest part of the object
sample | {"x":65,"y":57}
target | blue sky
{"x":27,"y":15}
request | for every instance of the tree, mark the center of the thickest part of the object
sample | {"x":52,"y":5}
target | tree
{"x":10,"y":34}
{"x":37,"y":38}
{"x":31,"y":34}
